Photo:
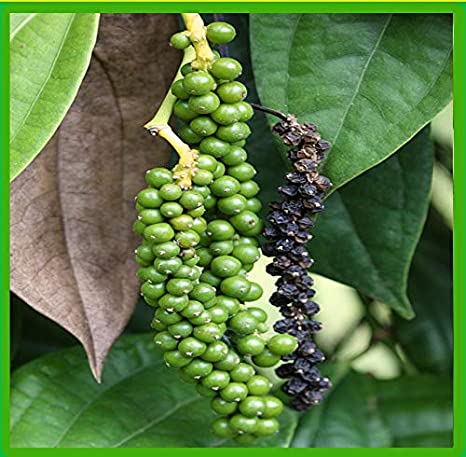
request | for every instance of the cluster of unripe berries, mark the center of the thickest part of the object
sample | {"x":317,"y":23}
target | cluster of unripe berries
{"x":199,"y":245}
{"x":288,"y":233}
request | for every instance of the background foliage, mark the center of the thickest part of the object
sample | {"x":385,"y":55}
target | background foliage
{"x":373,"y":84}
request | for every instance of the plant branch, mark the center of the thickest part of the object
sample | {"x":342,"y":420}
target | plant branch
{"x":264,"y":109}
{"x":197,"y":34}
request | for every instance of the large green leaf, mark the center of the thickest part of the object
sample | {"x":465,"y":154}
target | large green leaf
{"x":367,"y":235}
{"x":49,"y":55}
{"x":369,"y":81}
{"x":428,"y":339}
{"x":363,"y":412}
{"x":140,"y":403}
{"x":418,"y":410}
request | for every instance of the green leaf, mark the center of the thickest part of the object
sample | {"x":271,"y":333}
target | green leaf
{"x":49,"y":55}
{"x":369,"y":81}
{"x":362,"y":412}
{"x":367,"y":235}
{"x":349,"y":417}
{"x":418,"y":410}
{"x":428,"y":339}
{"x":140,"y":403}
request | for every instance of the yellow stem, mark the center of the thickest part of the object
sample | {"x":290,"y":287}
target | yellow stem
{"x":197,"y":35}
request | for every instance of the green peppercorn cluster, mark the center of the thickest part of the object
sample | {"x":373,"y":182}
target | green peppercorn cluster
{"x":199,"y":245}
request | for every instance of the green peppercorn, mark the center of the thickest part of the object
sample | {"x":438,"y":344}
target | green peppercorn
{"x":221,"y":247}
{"x":245,"y":110}
{"x":223,"y":407}
{"x":236,"y":287}
{"x":182,"y":223}
{"x":180,"y":41}
{"x":266,"y":359}
{"x":251,"y":345}
{"x":243,"y":424}
{"x":226,"y":68}
{"x":187,"y":134}
{"x":226,"y":114}
{"x":208,"y":332}
{"x":206,"y":162}
{"x":173,"y":302}
{"x":178,"y":91}
{"x":150,"y":216}
{"x":259,"y":385}
{"x":198,"y":83}
{"x":214,"y":146}
{"x":191,"y":347}
{"x":182,"y":111}
{"x":220,"y":32}
{"x":233,"y":132}
{"x":176,"y":359}
{"x":203,"y":126}
{"x":165,"y":341}
{"x":150,"y":198}
{"x":216,"y":380}
{"x":190,"y":199}
{"x":249,"y":189}
{"x":229,"y":362}
{"x":204,"y":104}
{"x":220,"y":230}
{"x":221,"y":428}
{"x":232,"y":92}
{"x":215,"y":352}
{"x":198,"y":368}
{"x":242,"y":172}
{"x":157,"y":177}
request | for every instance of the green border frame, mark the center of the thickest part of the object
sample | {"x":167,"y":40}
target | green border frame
{"x":459,"y":12}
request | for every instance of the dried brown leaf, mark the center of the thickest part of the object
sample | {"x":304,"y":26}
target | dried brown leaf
{"x":72,"y":208}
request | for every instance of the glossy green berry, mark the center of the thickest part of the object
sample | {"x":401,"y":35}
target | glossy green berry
{"x":150,"y":216}
{"x":168,"y":266}
{"x":208,"y":277}
{"x":232,"y":92}
{"x":229,"y":362}
{"x":187,"y":134}
{"x":236,"y":287}
{"x":251,"y":345}
{"x":182,"y":222}
{"x":245,"y":438}
{"x":170,"y":192}
{"x":157,"y":177}
{"x":224,"y":266}
{"x":266,"y":359}
{"x":203,"y":126}
{"x":226,"y":114}
{"x":145,"y":253}
{"x":214,"y":147}
{"x":180,"y":41}
{"x":273,"y":407}
{"x":198,"y":368}
{"x":204,"y":104}
{"x":198,"y":83}
{"x":216,"y":380}
{"x":152,"y":291}
{"x":267,"y":427}
{"x":186,"y":68}
{"x":173,"y":302}
{"x":243,"y":424}
{"x":182,"y":111}
{"x":254,"y":205}
{"x":139,"y":227}
{"x":246,"y":253}
{"x":203,"y":292}
{"x":207,"y":162}
{"x":193,"y":309}
{"x":245,"y":110}
{"x":197,"y":212}
{"x":245,"y":221}
{"x":150,"y":198}
{"x":221,"y":428}
{"x":156,"y":324}
{"x":202,"y":178}
{"x":226,"y":68}
{"x":282,"y":344}
{"x":221,"y":247}
{"x":249,"y":189}
{"x":242,"y":172}
{"x":259,"y":385}
{"x":187,"y":239}
{"x":229,"y":304}
{"x":166,"y":317}
{"x":205,"y":256}
{"x":255,"y":292}
{"x":223,"y":407}
{"x":253,"y":406}
{"x":176,"y":359}
{"x":232,"y":205}
{"x":225,"y":186}
{"x":191,"y":199}
{"x":220,"y":32}
{"x":215,"y":352}
{"x":218,"y":314}
{"x":192,"y":347}
{"x":219,"y":170}
{"x":234,"y":392}
{"x":236,"y":156}
{"x":243,"y":372}
{"x":204,"y":391}
{"x":165,"y":341}
{"x":159,"y":233}
{"x":180,"y":330}
{"x":208,"y":332}
{"x":152,"y":275}
{"x":171,"y":209}
{"x":259,"y":314}
{"x":220,"y":230}
{"x":178,"y":91}
{"x":243,"y":323}
{"x":233,"y":132}
{"x":178,"y":286}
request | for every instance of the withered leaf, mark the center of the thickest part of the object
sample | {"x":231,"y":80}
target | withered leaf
{"x":72,"y":208}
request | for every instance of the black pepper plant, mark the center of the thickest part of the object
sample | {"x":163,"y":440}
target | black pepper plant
{"x":200,"y":227}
